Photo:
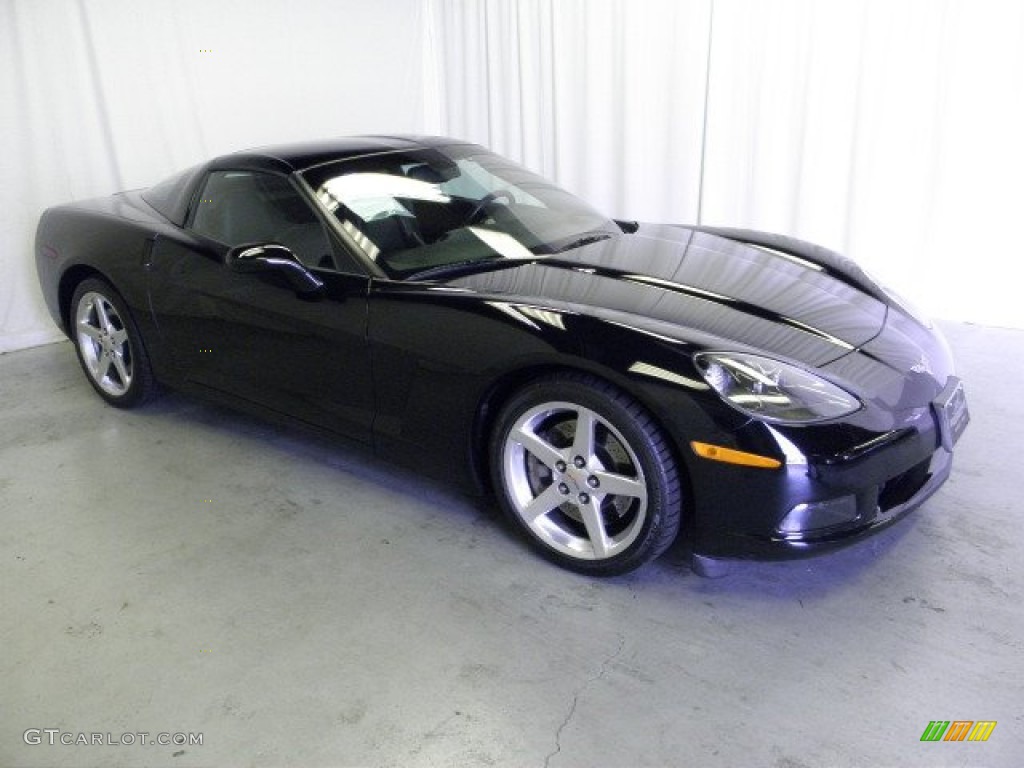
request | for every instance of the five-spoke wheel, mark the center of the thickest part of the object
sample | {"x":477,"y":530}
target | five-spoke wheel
{"x":583,"y":470}
{"x":108,"y":344}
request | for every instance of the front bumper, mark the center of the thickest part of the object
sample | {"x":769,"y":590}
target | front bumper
{"x":893,"y":500}
{"x":752,"y":513}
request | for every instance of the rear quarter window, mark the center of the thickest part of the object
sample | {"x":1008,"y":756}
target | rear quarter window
{"x":170,"y":198}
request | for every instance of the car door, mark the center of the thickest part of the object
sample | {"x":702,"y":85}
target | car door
{"x":250,"y":335}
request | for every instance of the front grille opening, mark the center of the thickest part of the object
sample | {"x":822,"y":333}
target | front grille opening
{"x":901,"y":489}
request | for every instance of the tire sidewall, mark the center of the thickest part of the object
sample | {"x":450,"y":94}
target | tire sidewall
{"x":137,"y":390}
{"x":660,"y":479}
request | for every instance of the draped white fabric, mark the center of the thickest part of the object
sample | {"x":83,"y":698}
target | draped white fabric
{"x":888,"y":129}
{"x":604,"y":96}
{"x":891,"y":130}
{"x":102,"y":95}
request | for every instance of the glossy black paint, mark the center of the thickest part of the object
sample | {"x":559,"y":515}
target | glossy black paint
{"x":419,"y":369}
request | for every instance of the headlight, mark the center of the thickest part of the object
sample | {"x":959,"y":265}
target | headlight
{"x":773,"y":391}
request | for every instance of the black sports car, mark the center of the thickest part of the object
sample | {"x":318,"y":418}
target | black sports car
{"x":614,"y":383}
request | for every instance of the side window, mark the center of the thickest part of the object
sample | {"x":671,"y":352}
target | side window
{"x":238,"y":207}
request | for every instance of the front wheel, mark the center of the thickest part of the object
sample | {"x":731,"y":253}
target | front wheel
{"x":582,"y":469}
{"x":109,"y":345}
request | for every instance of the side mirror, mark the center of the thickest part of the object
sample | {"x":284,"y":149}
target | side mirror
{"x":270,"y":257}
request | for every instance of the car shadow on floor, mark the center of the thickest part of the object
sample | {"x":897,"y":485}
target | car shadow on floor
{"x":802,"y":580}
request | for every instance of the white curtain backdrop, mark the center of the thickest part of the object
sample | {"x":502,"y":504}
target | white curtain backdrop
{"x":97,"y":96}
{"x":888,"y":129}
{"x":891,"y":130}
{"x":604,"y":96}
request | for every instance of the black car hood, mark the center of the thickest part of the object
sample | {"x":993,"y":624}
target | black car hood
{"x":698,"y":286}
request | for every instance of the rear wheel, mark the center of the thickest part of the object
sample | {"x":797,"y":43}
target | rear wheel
{"x":583,"y":470}
{"x":109,"y":345}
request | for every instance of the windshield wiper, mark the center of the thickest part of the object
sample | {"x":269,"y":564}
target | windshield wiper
{"x":470,"y":265}
{"x":579,"y":242}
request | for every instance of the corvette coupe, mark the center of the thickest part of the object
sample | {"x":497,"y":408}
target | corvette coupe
{"x":613,"y":384}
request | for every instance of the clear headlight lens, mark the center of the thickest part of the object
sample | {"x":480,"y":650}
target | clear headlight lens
{"x":773,"y":391}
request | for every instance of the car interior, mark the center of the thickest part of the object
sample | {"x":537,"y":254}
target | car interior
{"x":238,"y":207}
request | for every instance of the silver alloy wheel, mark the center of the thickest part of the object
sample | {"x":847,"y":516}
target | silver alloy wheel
{"x":103,"y":341}
{"x":574,"y":480}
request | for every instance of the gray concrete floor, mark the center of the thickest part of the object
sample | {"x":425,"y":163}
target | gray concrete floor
{"x":182,"y":568}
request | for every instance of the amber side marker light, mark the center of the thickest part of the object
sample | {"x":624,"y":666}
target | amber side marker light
{"x":730,"y":456}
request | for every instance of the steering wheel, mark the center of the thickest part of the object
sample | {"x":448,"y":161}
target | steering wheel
{"x":485,"y":202}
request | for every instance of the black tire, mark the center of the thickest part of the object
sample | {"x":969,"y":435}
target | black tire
{"x":109,"y":346}
{"x":557,"y":488}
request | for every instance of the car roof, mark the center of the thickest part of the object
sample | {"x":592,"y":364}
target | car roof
{"x":299,"y":156}
{"x":172,"y":197}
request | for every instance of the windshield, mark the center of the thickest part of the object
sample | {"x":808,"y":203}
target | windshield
{"x":425,"y":212}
